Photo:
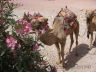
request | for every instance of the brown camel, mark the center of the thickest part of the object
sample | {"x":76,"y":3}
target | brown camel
{"x":57,"y":35}
{"x":65,"y":24}
{"x":91,"y":24}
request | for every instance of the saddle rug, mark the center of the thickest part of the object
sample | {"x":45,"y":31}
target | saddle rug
{"x":69,"y":25}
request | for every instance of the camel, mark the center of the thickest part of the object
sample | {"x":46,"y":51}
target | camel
{"x":91,"y":24}
{"x":57,"y":35}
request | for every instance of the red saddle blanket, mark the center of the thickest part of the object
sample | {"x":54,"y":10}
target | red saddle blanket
{"x":70,"y":23}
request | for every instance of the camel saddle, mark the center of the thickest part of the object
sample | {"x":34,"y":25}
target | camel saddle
{"x":70,"y":23}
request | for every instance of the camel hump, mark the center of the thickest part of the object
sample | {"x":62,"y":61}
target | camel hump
{"x":69,"y":13}
{"x":94,"y":13}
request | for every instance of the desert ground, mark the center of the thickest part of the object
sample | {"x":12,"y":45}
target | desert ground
{"x":86,"y":61}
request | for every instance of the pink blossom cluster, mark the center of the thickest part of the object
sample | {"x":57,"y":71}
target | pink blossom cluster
{"x":23,"y":27}
{"x":35,"y":46}
{"x":2,"y":21}
{"x":12,"y":42}
{"x":1,"y":10}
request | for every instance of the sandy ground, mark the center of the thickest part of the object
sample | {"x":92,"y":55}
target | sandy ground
{"x":86,"y":61}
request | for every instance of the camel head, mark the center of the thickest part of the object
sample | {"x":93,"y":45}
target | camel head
{"x":87,"y":12}
{"x":39,"y":24}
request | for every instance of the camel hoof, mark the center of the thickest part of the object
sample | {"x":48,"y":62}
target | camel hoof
{"x":90,"y":47}
{"x":94,"y":44}
{"x":64,"y":65}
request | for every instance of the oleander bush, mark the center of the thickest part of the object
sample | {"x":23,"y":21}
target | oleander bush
{"x":19,"y":47}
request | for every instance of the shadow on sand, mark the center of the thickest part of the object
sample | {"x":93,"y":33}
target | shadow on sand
{"x":72,"y":59}
{"x":94,"y":43}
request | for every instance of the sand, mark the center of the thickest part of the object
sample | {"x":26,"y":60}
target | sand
{"x":86,"y":61}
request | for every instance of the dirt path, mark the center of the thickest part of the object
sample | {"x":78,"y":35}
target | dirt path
{"x":85,"y":62}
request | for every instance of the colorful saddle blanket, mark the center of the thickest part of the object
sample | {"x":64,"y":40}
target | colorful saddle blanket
{"x":69,"y":23}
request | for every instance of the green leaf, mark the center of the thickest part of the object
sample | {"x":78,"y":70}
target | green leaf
{"x":42,"y":45}
{"x":14,"y":34}
{"x":12,"y":21}
{"x":2,"y":53}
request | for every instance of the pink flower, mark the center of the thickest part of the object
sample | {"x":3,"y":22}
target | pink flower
{"x":1,"y":10}
{"x":27,"y":27}
{"x":35,"y":46}
{"x":12,"y":42}
{"x":23,"y":27}
{"x":2,"y":21}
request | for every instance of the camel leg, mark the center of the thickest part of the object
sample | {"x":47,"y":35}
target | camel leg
{"x":88,"y":34}
{"x":58,"y":49}
{"x":76,"y":36}
{"x":94,"y":41}
{"x":72,"y":41}
{"x":76,"y":31}
{"x":91,"y":40}
{"x":62,"y":51}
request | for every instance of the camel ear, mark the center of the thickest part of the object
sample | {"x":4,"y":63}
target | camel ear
{"x":24,"y":16}
{"x":66,"y":6}
{"x":61,"y":9}
{"x":24,"y":13}
{"x":28,"y":13}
